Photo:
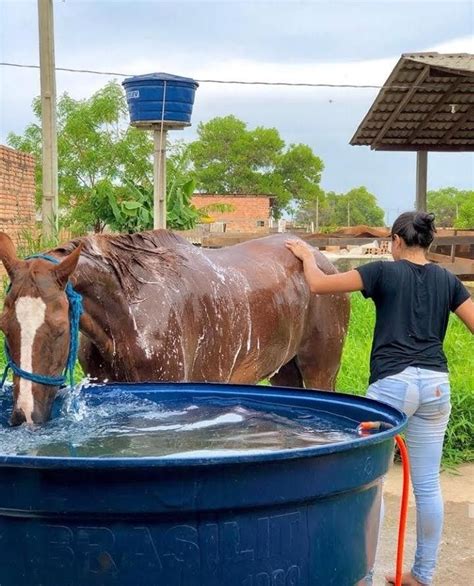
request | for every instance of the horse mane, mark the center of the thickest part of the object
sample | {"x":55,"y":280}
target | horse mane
{"x":133,"y":256}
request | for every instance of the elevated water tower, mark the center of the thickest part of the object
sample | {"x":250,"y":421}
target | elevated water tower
{"x":160,"y":102}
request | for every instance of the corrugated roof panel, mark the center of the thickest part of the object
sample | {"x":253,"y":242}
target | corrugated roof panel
{"x":433,"y":108}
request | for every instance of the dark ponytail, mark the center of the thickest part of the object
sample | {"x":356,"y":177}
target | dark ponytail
{"x":415,"y":228}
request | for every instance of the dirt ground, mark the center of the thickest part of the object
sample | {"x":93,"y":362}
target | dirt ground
{"x":456,"y":561}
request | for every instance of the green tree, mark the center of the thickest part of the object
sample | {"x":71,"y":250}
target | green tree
{"x":317,"y":211}
{"x":300,"y":170}
{"x":357,"y":206}
{"x":465,"y":219}
{"x":99,"y":156}
{"x":445,"y":203}
{"x":106,"y":170}
{"x":229,"y":158}
{"x":182,"y":214}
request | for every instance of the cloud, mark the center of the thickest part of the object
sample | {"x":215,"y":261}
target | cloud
{"x":357,"y":72}
{"x":205,"y":44}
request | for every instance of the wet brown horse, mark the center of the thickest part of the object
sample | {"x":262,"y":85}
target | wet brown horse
{"x":158,"y":308}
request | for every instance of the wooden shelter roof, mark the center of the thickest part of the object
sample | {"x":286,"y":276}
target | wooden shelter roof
{"x":427,"y":103}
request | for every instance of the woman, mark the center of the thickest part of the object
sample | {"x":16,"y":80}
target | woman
{"x":408,"y":368}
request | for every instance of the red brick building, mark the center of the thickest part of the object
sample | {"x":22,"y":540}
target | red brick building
{"x":250,"y":213}
{"x":17,"y":192}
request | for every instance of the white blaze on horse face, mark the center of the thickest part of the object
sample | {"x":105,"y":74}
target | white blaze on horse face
{"x":30,"y":313}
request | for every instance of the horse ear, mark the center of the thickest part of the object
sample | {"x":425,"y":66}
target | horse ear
{"x":8,"y":254}
{"x":66,"y":267}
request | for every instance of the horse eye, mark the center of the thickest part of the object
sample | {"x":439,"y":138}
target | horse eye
{"x":59,"y":330}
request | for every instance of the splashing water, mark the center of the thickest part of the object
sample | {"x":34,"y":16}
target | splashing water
{"x":121,"y":424}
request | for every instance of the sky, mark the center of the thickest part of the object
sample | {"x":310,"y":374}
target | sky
{"x":332,"y":41}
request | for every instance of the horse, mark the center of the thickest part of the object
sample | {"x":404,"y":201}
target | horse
{"x":157,"y":308}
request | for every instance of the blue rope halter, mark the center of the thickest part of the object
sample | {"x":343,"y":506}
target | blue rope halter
{"x":75,"y":312}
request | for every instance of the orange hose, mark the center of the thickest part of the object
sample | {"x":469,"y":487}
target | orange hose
{"x":403,"y":509}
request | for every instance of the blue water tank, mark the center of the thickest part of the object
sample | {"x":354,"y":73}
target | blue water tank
{"x":302,"y":517}
{"x":160,"y":96}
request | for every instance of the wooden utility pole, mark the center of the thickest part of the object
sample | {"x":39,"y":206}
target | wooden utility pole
{"x":317,"y":214}
{"x":48,"y":118}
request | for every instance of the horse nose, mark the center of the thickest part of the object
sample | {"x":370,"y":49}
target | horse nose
{"x":17,"y":418}
{"x":42,"y":416}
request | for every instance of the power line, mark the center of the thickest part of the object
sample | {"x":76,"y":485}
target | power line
{"x":292,"y":84}
{"x":25,"y":66}
{"x":226,"y":81}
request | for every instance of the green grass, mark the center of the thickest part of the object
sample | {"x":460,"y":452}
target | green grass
{"x":459,"y":347}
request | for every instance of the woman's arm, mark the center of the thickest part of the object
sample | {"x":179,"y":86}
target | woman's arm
{"x":317,"y":280}
{"x":465,"y":313}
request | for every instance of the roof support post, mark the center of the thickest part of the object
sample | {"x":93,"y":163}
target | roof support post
{"x":421,"y":180}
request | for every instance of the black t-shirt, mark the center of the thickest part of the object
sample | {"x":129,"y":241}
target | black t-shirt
{"x":412,"y":310}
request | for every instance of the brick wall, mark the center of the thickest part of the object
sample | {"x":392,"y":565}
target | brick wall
{"x":251,"y":213}
{"x":17,"y":192}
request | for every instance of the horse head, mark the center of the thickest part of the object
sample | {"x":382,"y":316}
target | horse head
{"x":35,"y":321}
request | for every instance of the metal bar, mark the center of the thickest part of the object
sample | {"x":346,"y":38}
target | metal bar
{"x":421,"y":179}
{"x":419,"y":80}
{"x":159,"y":171}
{"x":48,"y":119}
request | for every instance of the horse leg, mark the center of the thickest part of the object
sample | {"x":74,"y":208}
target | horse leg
{"x":319,"y":355}
{"x":289,"y":375}
{"x":92,"y":361}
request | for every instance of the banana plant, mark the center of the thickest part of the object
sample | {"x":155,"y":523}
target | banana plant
{"x":134,"y":212}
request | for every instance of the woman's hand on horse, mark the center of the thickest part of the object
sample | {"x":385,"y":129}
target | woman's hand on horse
{"x":317,"y":280}
{"x":300,"y":249}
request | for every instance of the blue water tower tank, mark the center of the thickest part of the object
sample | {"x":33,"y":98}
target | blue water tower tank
{"x":158,"y":97}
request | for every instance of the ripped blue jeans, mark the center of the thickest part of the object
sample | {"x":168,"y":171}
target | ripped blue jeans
{"x":424,"y":395}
